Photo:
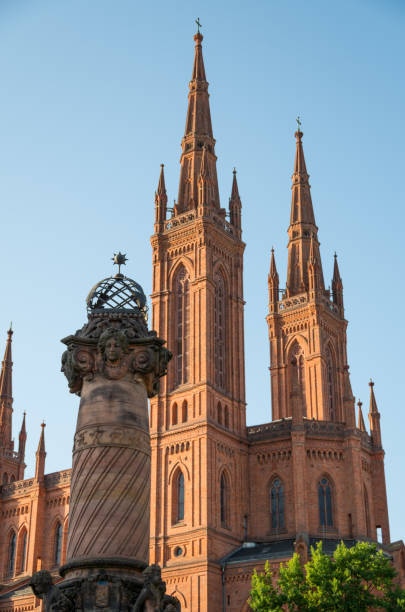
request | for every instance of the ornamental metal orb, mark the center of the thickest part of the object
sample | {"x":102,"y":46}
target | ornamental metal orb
{"x":117,"y":293}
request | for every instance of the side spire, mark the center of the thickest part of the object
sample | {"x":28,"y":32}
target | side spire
{"x":235,"y":205}
{"x":337,"y":285}
{"x":22,"y":439}
{"x":374,"y":418}
{"x":198,"y":133}
{"x":360,"y":421}
{"x":40,"y":455}
{"x":160,"y":201}
{"x":273,"y":282}
{"x":302,"y":227}
{"x":6,"y":394}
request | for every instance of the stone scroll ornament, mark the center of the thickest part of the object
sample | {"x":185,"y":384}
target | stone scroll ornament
{"x":114,"y":364}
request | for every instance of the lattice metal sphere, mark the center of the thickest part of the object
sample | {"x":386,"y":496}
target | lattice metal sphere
{"x":117,"y":293}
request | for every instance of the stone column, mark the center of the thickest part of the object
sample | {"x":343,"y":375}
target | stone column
{"x":114,"y":364}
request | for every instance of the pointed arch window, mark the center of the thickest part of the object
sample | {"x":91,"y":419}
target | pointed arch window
{"x":277,"y":504}
{"x":224,"y":500}
{"x":367,"y":513}
{"x":226,"y":417}
{"x":219,"y":331}
{"x":182,"y":326}
{"x":22,"y":551}
{"x":184,"y":412}
{"x":178,"y":497}
{"x":57,"y":544}
{"x":219,"y":413}
{"x":298,"y":373}
{"x":330,"y":386}
{"x":11,"y":554}
{"x":174,"y":414}
{"x":325,"y":503}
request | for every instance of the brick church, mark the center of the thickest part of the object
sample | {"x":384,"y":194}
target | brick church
{"x":225,"y":497}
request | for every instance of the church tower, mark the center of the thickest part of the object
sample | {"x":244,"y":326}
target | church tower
{"x":197,"y":422}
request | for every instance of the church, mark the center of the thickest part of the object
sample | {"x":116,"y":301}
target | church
{"x":225,"y":498}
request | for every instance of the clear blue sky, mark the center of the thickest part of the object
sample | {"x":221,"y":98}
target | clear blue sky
{"x":93,"y":99}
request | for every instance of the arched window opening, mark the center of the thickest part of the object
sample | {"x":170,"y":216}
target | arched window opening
{"x":11,"y":554}
{"x":57,"y":544}
{"x":330,"y":383}
{"x":224,"y":501}
{"x":325,"y":503}
{"x":219,"y":331}
{"x":226,"y":416}
{"x":298,"y":374}
{"x":22,"y":550}
{"x":174,"y":414}
{"x":367,"y":513}
{"x":178,"y":497}
{"x":5,"y":478}
{"x":277,"y":504}
{"x":184,"y":412}
{"x":182,"y":331}
{"x":12,"y":478}
{"x":219,"y":413}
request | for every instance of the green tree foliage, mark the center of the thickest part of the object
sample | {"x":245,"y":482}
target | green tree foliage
{"x":354,"y":579}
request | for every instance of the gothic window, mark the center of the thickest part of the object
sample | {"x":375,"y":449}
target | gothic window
{"x":367,"y":513}
{"x":224,"y":501}
{"x":325,"y":503}
{"x":277,"y":504}
{"x":219,"y":411}
{"x":178,"y":497}
{"x":330,"y":386}
{"x":57,"y":544}
{"x":226,"y":416}
{"x":298,"y":373}
{"x":22,"y":553}
{"x":182,"y":326}
{"x":11,"y":554}
{"x":5,"y":478}
{"x":184,"y":412}
{"x":219,"y":331}
{"x":174,"y":414}
{"x":12,"y":478}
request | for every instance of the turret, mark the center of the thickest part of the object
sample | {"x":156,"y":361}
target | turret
{"x":160,"y":202}
{"x":374,"y":418}
{"x":40,"y":456}
{"x":235,"y":206}
{"x":273,"y":282}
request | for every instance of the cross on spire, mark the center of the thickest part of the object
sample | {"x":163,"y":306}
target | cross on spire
{"x":298,"y":120}
{"x":199,"y":25}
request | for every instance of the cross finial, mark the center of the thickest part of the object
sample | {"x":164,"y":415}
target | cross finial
{"x":119,"y":260}
{"x":298,"y":120}
{"x":199,"y":25}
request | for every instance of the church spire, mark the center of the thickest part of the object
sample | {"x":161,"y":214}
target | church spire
{"x":6,"y":394}
{"x":160,"y":201}
{"x":198,"y":133}
{"x":302,"y":228}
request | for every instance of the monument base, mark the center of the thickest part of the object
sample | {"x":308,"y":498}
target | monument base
{"x":116,"y":585}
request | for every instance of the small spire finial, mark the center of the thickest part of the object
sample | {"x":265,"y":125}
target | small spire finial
{"x":359,"y":403}
{"x":234,"y":170}
{"x":199,"y":25}
{"x":298,"y":120}
{"x":371,"y":383}
{"x":119,"y":260}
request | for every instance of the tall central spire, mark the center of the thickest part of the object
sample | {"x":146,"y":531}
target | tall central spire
{"x":198,"y":135}
{"x":303,"y":230}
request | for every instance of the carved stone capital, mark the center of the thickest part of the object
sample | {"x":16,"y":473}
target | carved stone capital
{"x":115,"y":353}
